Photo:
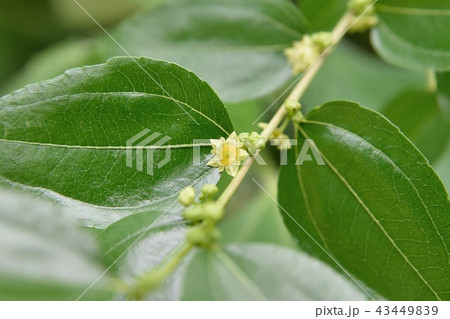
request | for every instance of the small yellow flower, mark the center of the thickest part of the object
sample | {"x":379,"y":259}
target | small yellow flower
{"x":228,"y":154}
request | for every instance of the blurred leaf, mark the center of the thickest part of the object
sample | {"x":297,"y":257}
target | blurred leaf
{"x":33,"y":19}
{"x":54,"y":61}
{"x":43,"y":256}
{"x":353,"y":74}
{"x":74,"y":18}
{"x":237,"y":46}
{"x":443,"y":80}
{"x":376,"y":205}
{"x":413,"y":33}
{"x":443,"y":168}
{"x":120,"y":236}
{"x":263,"y":272}
{"x":69,"y":135}
{"x":136,"y":244}
{"x":244,"y":114}
{"x":323,"y":15}
{"x":25,"y":27}
{"x":258,"y":221}
{"x":419,"y":117}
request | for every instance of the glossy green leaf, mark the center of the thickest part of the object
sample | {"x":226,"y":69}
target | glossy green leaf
{"x":237,"y":46}
{"x":67,"y":137}
{"x":419,"y":117}
{"x":323,"y":15}
{"x":443,"y":81}
{"x":376,"y":205}
{"x":43,"y":256}
{"x":345,"y":76}
{"x":414,"y":33}
{"x":443,"y":168}
{"x":263,"y":272}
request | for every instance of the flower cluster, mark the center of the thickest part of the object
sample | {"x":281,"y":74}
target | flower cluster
{"x":203,"y":214}
{"x":304,"y":53}
{"x":364,"y":15}
{"x":253,"y":142}
{"x":228,"y":154}
{"x":278,"y":138}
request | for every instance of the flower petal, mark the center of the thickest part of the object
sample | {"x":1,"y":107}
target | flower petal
{"x":232,"y":169}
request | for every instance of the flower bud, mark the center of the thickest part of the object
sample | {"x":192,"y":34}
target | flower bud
{"x":209,"y":190}
{"x":194,"y":214}
{"x":213,"y":211}
{"x":253,"y":142}
{"x":292,"y":107}
{"x":298,"y":117}
{"x":323,"y":40}
{"x":187,"y":196}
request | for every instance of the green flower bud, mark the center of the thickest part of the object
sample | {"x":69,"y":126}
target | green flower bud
{"x":323,"y":40}
{"x":292,"y":107}
{"x":253,"y":142}
{"x":298,"y":117}
{"x":359,"y":6}
{"x":187,"y":196}
{"x":194,"y":214}
{"x":206,"y":211}
{"x":209,"y":190}
{"x":197,"y":236}
{"x":244,"y":136}
{"x":213,"y":211}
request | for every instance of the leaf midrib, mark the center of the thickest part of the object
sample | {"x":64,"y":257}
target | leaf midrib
{"x":397,"y":168}
{"x":369,"y":212}
{"x":100,"y":148}
{"x":119,"y":93}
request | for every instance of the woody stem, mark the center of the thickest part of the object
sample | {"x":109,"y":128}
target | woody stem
{"x":304,"y":81}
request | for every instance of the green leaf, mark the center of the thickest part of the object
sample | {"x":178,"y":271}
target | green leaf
{"x":237,"y":46}
{"x":323,"y":15}
{"x":263,"y":272}
{"x":376,"y":205}
{"x":136,"y":244}
{"x":118,"y":238}
{"x":443,"y":81}
{"x":67,"y":137}
{"x":413,"y":33}
{"x":345,"y":76}
{"x":419,"y":117}
{"x":54,"y":61}
{"x":442,"y":167}
{"x":43,"y":256}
